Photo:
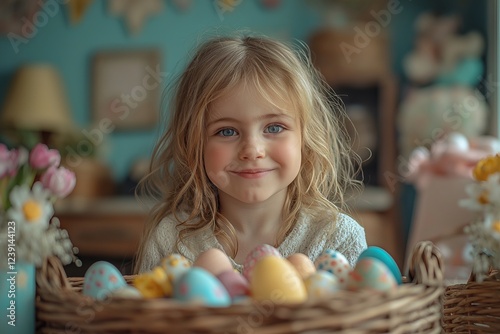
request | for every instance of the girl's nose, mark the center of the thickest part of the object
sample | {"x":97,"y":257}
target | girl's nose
{"x":252,"y":149}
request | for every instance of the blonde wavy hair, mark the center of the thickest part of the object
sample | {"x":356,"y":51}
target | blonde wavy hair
{"x":177,"y":180}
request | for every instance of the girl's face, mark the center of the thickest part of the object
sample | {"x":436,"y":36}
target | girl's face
{"x":253,"y":151}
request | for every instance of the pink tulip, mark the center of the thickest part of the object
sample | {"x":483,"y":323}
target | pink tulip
{"x":42,"y":157}
{"x":4,"y":160}
{"x":10,"y":160}
{"x":59,"y":180}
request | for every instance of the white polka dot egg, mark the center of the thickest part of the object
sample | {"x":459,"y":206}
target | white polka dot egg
{"x":335,"y":263}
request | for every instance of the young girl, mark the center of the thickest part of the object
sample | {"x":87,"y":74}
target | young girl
{"x":254,"y":153}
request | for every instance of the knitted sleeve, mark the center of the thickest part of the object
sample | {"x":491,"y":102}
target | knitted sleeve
{"x":160,"y":244}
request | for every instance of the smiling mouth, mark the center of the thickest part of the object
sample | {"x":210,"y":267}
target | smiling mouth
{"x":252,"y":173}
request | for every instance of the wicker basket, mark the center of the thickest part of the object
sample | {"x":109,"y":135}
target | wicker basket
{"x":411,"y":308}
{"x":473,"y":307}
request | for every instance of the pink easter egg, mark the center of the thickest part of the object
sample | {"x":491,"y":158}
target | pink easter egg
{"x":235,"y":283}
{"x":256,"y":254}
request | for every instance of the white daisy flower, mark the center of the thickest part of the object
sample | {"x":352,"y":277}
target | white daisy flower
{"x":492,"y":226}
{"x":477,"y":199}
{"x":30,"y":207}
{"x":483,"y":196}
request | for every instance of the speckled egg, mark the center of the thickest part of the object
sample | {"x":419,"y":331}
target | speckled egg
{"x":321,"y":284}
{"x":256,"y":254}
{"x":382,"y":255}
{"x":174,"y":266}
{"x":101,"y":279}
{"x":335,"y":263}
{"x":199,"y":286}
{"x":371,"y":274}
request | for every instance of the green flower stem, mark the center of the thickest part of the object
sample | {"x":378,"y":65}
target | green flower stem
{"x":4,"y":194}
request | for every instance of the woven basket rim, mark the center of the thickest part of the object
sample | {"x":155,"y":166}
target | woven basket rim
{"x":408,"y":308}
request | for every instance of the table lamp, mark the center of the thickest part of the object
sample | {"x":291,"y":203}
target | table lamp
{"x":36,"y":101}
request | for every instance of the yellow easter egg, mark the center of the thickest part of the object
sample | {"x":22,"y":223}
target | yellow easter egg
{"x":153,"y":284}
{"x":275,"y":279}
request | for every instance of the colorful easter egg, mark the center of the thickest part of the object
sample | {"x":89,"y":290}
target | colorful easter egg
{"x":321,"y":284}
{"x":235,"y":283}
{"x":213,"y":260}
{"x":335,"y":263}
{"x":382,"y":255}
{"x":371,"y":274}
{"x":153,"y":284}
{"x":175,"y":265}
{"x":126,"y":292}
{"x":256,"y":254}
{"x":275,"y":279}
{"x":101,"y":279}
{"x":199,"y":286}
{"x":303,"y":264}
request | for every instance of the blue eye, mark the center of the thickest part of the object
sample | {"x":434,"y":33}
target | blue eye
{"x":275,"y":128}
{"x":226,"y":132}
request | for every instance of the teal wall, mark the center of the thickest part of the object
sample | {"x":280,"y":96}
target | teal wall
{"x":175,"y":33}
{"x":70,"y":48}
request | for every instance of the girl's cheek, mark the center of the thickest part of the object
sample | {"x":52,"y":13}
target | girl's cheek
{"x":217,"y":160}
{"x":219,"y":179}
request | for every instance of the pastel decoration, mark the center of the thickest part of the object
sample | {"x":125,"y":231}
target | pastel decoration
{"x":321,"y":284}
{"x":153,"y":284}
{"x":235,"y":283}
{"x":382,"y":255}
{"x":101,"y":279}
{"x":201,"y":287}
{"x":126,"y":292}
{"x":174,"y":265}
{"x":256,"y":254}
{"x":303,"y":264}
{"x":213,"y":260}
{"x":335,"y":263}
{"x":276,"y":280}
{"x":371,"y":274}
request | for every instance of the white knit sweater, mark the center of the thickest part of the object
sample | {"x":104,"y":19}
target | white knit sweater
{"x":309,"y":237}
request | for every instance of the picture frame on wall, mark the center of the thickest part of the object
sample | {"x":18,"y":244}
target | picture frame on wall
{"x":126,"y":88}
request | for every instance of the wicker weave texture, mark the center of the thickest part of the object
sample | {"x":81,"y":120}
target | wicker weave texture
{"x":473,"y":307}
{"x":411,"y":308}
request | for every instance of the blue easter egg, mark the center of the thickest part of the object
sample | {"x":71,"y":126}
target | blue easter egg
{"x":383,"y":256}
{"x":101,"y":279}
{"x":197,"y":285}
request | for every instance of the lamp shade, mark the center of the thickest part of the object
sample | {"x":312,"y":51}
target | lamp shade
{"x":36,"y":101}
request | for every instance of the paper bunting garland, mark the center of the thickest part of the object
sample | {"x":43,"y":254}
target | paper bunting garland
{"x":76,"y":9}
{"x":135,"y":12}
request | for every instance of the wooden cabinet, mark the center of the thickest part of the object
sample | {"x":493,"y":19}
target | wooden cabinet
{"x":103,"y":229}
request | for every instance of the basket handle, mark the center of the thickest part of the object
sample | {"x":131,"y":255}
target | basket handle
{"x":51,"y":275}
{"x":426,"y":264}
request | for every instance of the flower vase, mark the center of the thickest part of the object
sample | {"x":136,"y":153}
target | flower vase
{"x":17,"y":298}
